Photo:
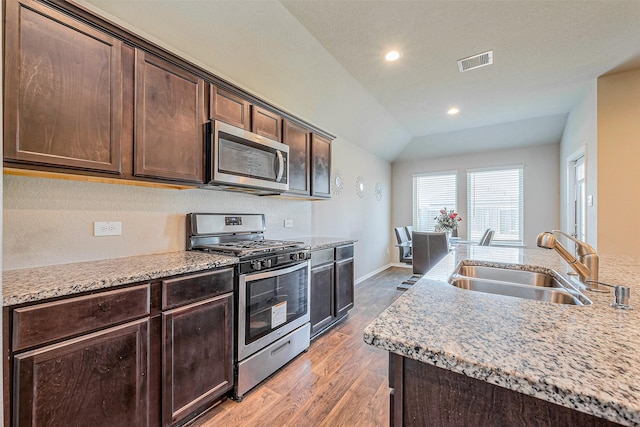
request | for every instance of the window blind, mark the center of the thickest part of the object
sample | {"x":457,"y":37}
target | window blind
{"x":431,"y":193}
{"x":495,"y":200}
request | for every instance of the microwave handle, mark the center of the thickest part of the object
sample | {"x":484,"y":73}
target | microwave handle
{"x":280,"y":166}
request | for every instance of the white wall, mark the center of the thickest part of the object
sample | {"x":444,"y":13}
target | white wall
{"x":580,"y":133}
{"x":49,"y":221}
{"x":365,"y":219}
{"x":541,"y":186}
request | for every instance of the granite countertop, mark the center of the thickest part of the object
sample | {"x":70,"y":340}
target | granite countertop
{"x":315,"y":243}
{"x":34,"y":284}
{"x":583,"y":357}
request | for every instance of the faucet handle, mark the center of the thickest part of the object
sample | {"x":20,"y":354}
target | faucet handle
{"x":583,"y":247}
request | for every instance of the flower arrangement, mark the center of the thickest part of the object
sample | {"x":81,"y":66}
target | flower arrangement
{"x":447,"y":220}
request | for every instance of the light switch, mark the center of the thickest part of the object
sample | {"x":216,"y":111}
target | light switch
{"x":590,"y":200}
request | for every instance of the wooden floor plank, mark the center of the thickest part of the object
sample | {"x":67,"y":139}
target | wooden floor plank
{"x":358,"y":404}
{"x":340,"y":381}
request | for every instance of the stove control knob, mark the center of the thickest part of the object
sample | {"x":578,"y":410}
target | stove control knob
{"x":256,"y":265}
{"x":303,"y":255}
{"x":266,"y":263}
{"x":294,"y":257}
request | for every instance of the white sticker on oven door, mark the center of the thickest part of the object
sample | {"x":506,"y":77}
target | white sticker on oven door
{"x":278,"y":314}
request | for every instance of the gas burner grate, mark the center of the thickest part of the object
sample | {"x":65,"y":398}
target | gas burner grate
{"x":251,"y":247}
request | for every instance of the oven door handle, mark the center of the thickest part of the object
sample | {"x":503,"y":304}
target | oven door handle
{"x":277,"y":272}
{"x":280,"y":171}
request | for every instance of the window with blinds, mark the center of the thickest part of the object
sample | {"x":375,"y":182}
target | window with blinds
{"x":495,"y":200}
{"x":431,"y":193}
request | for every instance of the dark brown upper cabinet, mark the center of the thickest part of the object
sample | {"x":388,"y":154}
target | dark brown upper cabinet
{"x":83,"y":96}
{"x":63,"y":91}
{"x":266,"y":123}
{"x":298,"y":139}
{"x":320,"y":166}
{"x":169,"y":121}
{"x":229,"y":108}
{"x":237,"y":111}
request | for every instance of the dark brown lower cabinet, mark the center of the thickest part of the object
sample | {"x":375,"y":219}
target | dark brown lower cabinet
{"x":344,"y":285}
{"x":96,"y":380}
{"x":148,"y":354}
{"x":425,"y":395}
{"x":197,"y":362}
{"x":332,"y":286}
{"x":322,"y":294}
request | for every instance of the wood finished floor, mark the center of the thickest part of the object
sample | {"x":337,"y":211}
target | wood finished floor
{"x":340,"y":381}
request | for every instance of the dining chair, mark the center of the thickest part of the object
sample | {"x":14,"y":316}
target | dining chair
{"x":409,"y":230}
{"x":487,"y":237}
{"x":405,"y":254}
{"x":427,"y":249}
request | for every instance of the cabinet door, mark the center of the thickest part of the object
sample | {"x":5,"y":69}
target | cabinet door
{"x":99,"y":379}
{"x":197,"y":356}
{"x":320,"y":166}
{"x":63,"y":91}
{"x":344,"y":286}
{"x":266,"y":123}
{"x":229,"y":108}
{"x":322,"y":296}
{"x":170,"y":119}
{"x":298,"y":140}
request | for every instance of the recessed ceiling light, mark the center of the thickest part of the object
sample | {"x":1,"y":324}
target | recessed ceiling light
{"x":453,"y":111}
{"x":392,"y":55}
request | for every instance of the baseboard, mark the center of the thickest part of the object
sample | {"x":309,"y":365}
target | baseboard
{"x":400,"y":264}
{"x":373,"y":273}
{"x":381,"y":269}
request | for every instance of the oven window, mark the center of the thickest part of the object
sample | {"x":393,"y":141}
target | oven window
{"x":275,"y":301}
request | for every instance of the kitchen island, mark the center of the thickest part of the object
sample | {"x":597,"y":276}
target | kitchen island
{"x":586,"y":358}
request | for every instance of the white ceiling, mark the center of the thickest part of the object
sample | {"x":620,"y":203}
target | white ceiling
{"x":543,"y":51}
{"x":323,"y":60}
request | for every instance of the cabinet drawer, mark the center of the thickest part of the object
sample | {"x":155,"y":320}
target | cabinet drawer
{"x":343,"y":252}
{"x":322,"y":256}
{"x":187,"y":289}
{"x":42,"y":323}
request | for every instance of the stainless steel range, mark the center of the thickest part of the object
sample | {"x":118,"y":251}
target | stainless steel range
{"x":272,"y":292}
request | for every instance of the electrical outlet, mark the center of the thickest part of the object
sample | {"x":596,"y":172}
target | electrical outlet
{"x":288,"y":223}
{"x":107,"y":228}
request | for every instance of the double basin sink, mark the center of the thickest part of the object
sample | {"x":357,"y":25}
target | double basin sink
{"x":517,"y":281}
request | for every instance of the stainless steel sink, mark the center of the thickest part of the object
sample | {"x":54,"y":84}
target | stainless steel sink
{"x":522,"y":277}
{"x":503,"y":280}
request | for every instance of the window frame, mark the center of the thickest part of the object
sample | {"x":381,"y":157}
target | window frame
{"x":471,"y":203}
{"x":417,"y":224}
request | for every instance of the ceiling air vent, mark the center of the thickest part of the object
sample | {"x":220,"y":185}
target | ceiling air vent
{"x":475,"y":61}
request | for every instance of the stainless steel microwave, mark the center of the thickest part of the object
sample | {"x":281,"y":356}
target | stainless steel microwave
{"x":244,"y":161}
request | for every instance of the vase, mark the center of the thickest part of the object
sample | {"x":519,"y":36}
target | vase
{"x":448,"y":234}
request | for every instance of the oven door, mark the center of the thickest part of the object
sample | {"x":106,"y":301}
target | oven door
{"x":270,"y":305}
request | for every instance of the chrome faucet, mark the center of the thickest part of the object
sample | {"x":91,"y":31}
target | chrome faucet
{"x":586,"y":267}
